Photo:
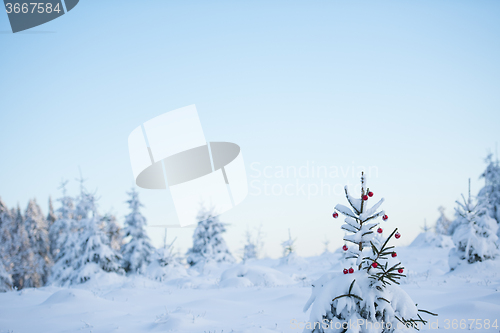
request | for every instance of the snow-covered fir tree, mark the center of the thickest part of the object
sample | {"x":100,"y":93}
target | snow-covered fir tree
{"x":7,"y":230}
{"x":51,"y":216}
{"x":442,"y":223}
{"x":24,"y":273}
{"x":368,"y":290}
{"x":137,"y":253}
{"x":249,"y":251}
{"x":64,"y":225}
{"x":37,"y":230}
{"x":6,"y":226}
{"x":5,"y":278}
{"x":86,"y":253}
{"x":474,"y":235}
{"x":113,"y":231}
{"x":489,"y":195}
{"x":253,"y":244}
{"x":208,"y":243}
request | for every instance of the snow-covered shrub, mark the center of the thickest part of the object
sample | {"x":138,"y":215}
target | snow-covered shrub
{"x":138,"y":252}
{"x":208,"y":244}
{"x":474,"y":234}
{"x":164,"y":265}
{"x":368,"y":291}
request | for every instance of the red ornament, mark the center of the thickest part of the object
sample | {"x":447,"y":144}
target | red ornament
{"x":374,"y":265}
{"x":335,"y":215}
{"x":344,"y":247}
{"x":346,"y":271}
{"x":400,"y":270}
{"x":397,"y":235}
{"x":385,"y":217}
{"x":370,"y":194}
{"x":351,"y":270}
{"x":365,"y":197}
{"x":379,"y":230}
{"x":394,"y":254}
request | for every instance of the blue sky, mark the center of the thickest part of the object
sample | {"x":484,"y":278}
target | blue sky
{"x":409,"y":88}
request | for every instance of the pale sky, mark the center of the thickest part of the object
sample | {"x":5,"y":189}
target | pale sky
{"x":407,"y":91}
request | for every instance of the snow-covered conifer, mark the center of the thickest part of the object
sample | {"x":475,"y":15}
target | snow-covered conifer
{"x":113,"y":231}
{"x":165,"y":264}
{"x":253,"y":244}
{"x":442,"y":223}
{"x":24,"y":273}
{"x":51,"y":216}
{"x":137,"y":253}
{"x":288,"y":246}
{"x":474,"y":235}
{"x":7,"y":229}
{"x":5,"y":278}
{"x":86,"y":252}
{"x":208,"y":244}
{"x":368,"y":290}
{"x":37,"y":230}
{"x":489,"y":195}
{"x":64,"y":226}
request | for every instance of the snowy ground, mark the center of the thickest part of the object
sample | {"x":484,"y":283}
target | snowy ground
{"x":262,"y":297}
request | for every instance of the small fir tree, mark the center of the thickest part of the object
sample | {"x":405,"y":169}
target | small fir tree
{"x":442,"y":223}
{"x":369,"y":290}
{"x":208,"y":243}
{"x":288,"y":246}
{"x":137,"y":253}
{"x":474,"y":235}
{"x":253,"y":244}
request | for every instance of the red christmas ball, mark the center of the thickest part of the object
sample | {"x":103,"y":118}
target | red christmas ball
{"x":397,"y":235}
{"x":374,"y":265}
{"x":346,"y":271}
{"x":385,"y":217}
{"x":394,"y":254}
{"x":365,"y":197}
{"x":400,"y":270}
{"x":379,"y":230}
{"x":335,"y":215}
{"x":370,"y":194}
{"x":351,"y":270}
{"x":344,"y":247}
